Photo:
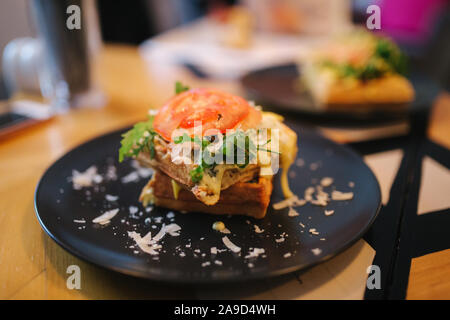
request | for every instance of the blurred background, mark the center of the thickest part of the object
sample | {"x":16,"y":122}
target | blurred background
{"x":204,"y":40}
{"x":420,"y":27}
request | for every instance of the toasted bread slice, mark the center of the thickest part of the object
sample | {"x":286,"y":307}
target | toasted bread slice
{"x":242,"y":198}
{"x":391,"y":91}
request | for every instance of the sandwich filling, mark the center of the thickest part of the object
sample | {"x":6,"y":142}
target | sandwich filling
{"x":206,"y":140}
{"x":357,"y":67}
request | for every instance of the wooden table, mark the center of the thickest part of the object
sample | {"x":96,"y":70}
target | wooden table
{"x":32,"y":266}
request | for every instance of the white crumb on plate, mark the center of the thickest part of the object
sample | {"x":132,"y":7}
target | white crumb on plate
{"x":144,"y":242}
{"x":79,"y":220}
{"x":290,"y":202}
{"x":339,"y":196}
{"x":308,"y":194}
{"x":254,"y":253}
{"x":106,"y":217}
{"x":86,"y":178}
{"x":150,"y":245}
{"x":292,"y":212}
{"x":213,"y":250}
{"x":258,"y":229}
{"x":206,"y":263}
{"x":158,"y":219}
{"x":131,"y":177}
{"x":322,"y":197}
{"x":230,"y":245}
{"x":326,"y":182}
{"x":316,"y":251}
{"x":111,"y":173}
{"x":351,"y":184}
{"x":133,"y":209}
{"x":170,"y":215}
{"x":299,"y":162}
{"x":111,"y":198}
{"x":218,"y":262}
{"x":329,"y":212}
{"x":172,"y":229}
{"x":287,"y":255}
{"x":279,"y":240}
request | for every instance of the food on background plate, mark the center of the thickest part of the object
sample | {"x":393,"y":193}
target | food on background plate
{"x":357,"y":70}
{"x":212,"y":152}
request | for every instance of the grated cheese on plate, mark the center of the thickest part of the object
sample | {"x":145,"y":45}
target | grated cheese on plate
{"x":290,"y":202}
{"x":258,"y":229}
{"x":338,"y":195}
{"x":106,"y":217}
{"x":254,"y":253}
{"x":86,"y":178}
{"x":230,"y":245}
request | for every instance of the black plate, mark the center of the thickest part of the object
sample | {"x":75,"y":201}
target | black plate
{"x":275,"y":87}
{"x":57,"y":204}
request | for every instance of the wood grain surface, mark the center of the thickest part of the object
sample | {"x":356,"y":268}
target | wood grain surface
{"x":429,"y":277}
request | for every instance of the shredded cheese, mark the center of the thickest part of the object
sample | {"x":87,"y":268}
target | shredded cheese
{"x":106,"y":217}
{"x":230,"y":245}
{"x":338,"y":195}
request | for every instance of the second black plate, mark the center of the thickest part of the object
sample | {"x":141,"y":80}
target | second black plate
{"x":275,"y":87}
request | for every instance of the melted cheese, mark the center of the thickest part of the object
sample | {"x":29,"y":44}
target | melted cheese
{"x":287,"y":147}
{"x":208,"y":189}
{"x":175,"y":188}
{"x":147,"y":196}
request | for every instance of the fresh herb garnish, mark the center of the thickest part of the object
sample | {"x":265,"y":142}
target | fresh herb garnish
{"x":391,"y":54}
{"x":386,"y":57}
{"x":237,"y":144}
{"x":196,"y":174}
{"x":180,"y":87}
{"x":139,"y":138}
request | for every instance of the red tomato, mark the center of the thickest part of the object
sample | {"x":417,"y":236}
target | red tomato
{"x":211,"y":108}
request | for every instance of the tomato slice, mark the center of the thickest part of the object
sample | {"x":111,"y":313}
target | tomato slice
{"x":211,"y":108}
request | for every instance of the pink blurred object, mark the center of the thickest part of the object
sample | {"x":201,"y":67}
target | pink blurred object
{"x":410,"y":20}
